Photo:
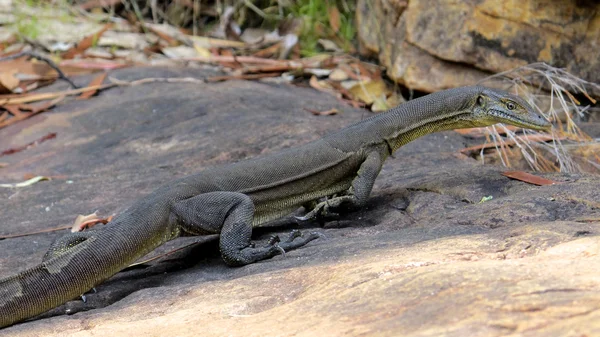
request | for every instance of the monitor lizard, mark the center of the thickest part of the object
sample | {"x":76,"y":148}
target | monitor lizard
{"x":334,"y":173}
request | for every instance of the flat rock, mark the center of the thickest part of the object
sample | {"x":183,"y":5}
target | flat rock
{"x":426,"y":257}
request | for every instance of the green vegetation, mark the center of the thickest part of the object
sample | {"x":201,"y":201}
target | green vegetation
{"x":321,"y":19}
{"x":27,"y":27}
{"x":32,"y":17}
{"x":324,"y":19}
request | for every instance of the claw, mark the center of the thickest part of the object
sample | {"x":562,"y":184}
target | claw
{"x":317,"y":235}
{"x":312,"y":214}
{"x":293,"y":235}
{"x":303,"y":218}
{"x":280,"y":249}
{"x":273,"y":240}
{"x":84,"y":299}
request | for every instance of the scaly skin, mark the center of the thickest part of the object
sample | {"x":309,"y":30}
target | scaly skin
{"x":232,"y":199}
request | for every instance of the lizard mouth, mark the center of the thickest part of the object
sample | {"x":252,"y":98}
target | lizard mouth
{"x":531,"y":122}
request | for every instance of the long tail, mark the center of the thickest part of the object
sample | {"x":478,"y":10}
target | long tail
{"x":48,"y":285}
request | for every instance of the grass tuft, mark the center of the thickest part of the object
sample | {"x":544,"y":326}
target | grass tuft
{"x":563,"y":99}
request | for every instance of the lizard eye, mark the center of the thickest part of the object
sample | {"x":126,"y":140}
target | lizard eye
{"x":480,"y":100}
{"x":511,"y":106}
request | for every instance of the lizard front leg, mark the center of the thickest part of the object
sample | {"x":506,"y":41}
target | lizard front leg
{"x":358,"y":193}
{"x":230,"y":214}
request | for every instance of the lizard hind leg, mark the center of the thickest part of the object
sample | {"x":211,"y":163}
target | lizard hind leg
{"x":230,"y":214}
{"x":66,"y":243}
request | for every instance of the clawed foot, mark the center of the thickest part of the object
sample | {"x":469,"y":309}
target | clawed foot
{"x":275,"y":246}
{"x":321,"y":211}
{"x":274,"y":242}
{"x":294,"y":240}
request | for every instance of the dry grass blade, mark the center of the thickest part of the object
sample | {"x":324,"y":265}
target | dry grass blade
{"x":329,"y":112}
{"x":510,"y":142}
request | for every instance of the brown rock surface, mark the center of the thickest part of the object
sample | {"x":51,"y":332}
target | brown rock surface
{"x":425,"y":258}
{"x":442,"y":38}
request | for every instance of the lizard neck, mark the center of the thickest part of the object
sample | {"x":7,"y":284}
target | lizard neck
{"x":444,"y":110}
{"x":440,"y":121}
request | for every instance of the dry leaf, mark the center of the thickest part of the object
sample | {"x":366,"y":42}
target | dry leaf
{"x":167,"y":35}
{"x":128,"y":41}
{"x":86,"y":221}
{"x":8,"y":81}
{"x":369,"y":91}
{"x":31,"y":175}
{"x":254,"y":35}
{"x":94,"y":83}
{"x":317,"y":72}
{"x":269,"y":51}
{"x":394,"y":100}
{"x":322,"y":86}
{"x":329,"y":112}
{"x":15,"y":110}
{"x":203,"y":52}
{"x":289,"y":42}
{"x":338,"y":75}
{"x":26,"y":182}
{"x":529,"y":178}
{"x":207,"y":42}
{"x":334,"y":18}
{"x":18,"y":115}
{"x":329,"y":45}
{"x":380,"y":104}
{"x":86,"y":43}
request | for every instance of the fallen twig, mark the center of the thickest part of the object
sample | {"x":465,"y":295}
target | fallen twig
{"x":48,"y":61}
{"x":241,"y":77}
{"x":44,"y":96}
{"x":49,"y":136}
{"x":34,"y":233}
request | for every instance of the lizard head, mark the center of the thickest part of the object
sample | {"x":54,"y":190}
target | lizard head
{"x":490,"y":106}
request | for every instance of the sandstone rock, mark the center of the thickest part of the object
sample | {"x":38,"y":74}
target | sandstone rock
{"x":490,"y":35}
{"x":424,"y":258}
